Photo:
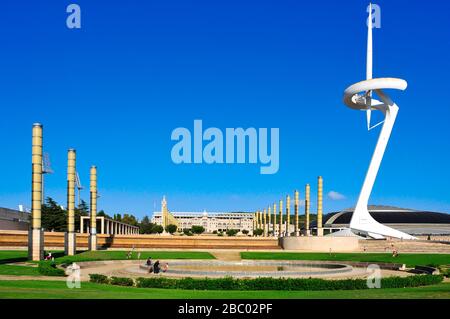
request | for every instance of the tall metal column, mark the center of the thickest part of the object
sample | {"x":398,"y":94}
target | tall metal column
{"x":319,"y":205}
{"x":93,"y":210}
{"x":274,"y":219}
{"x":280,"y":221}
{"x":264,"y":223}
{"x":36,"y":235}
{"x":307,"y":206}
{"x":288,"y":216}
{"x":70,"y":242}
{"x":296,"y":203}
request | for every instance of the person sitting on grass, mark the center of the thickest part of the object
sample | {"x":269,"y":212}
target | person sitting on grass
{"x":156,"y":267}
{"x":150,"y":269}
{"x":165,"y":267}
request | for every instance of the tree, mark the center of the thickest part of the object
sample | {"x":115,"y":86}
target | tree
{"x":187,"y":232}
{"x":245,"y":231}
{"x":54,"y":218}
{"x":232,"y":232}
{"x":129,"y":219}
{"x":102,"y":213}
{"x":198,"y":229}
{"x":157,"y":229}
{"x":258,"y":232}
{"x":81,"y":210}
{"x":171,"y":228}
{"x":145,"y":226}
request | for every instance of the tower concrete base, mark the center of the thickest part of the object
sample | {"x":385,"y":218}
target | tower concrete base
{"x":93,"y":242}
{"x":70,"y":248}
{"x":320,"y":244}
{"x":36,"y":244}
{"x":320,"y":232}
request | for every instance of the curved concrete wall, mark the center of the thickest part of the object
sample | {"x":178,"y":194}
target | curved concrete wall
{"x":320,"y":244}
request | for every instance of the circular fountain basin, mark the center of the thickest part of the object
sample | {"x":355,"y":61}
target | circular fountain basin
{"x":249,"y":268}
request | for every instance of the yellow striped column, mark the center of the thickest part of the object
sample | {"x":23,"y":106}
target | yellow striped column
{"x":288,"y":216}
{"x":261,"y":225}
{"x":319,"y":206}
{"x":274,"y":226}
{"x":307,"y":206}
{"x":93,"y":192}
{"x":280,"y":221}
{"x":36,"y":235}
{"x":268,"y":222}
{"x":257,"y":220}
{"x":70,"y":242}
{"x":265,"y":223}
{"x":296,"y":203}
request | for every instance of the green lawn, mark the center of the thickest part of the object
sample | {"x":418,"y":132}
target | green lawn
{"x":122,"y":255}
{"x":59,"y":290}
{"x":13,"y":270}
{"x":11,"y":256}
{"x":409,"y":259}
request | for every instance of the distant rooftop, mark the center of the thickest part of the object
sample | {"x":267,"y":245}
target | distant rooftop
{"x":390,"y":215}
{"x":381,"y":208}
{"x":205,"y":213}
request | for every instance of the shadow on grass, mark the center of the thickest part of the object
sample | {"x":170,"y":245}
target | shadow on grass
{"x":13,"y":260}
{"x":25,"y":258}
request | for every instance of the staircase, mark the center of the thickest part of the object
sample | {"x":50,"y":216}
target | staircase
{"x":410,"y":246}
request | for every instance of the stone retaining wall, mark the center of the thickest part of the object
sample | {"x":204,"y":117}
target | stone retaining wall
{"x":56,"y":240}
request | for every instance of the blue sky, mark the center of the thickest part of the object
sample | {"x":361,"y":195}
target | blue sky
{"x":136,"y":70}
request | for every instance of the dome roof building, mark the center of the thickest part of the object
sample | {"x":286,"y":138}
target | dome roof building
{"x":414,"y":222}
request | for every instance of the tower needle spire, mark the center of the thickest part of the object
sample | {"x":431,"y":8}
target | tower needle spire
{"x":369,"y":66}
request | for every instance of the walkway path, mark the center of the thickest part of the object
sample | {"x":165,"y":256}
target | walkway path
{"x":226,"y":255}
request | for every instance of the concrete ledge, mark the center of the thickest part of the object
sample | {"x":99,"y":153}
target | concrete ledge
{"x":320,"y":244}
{"x":56,"y":239}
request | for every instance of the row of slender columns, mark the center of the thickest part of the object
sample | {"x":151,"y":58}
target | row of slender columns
{"x":36,"y":234}
{"x":108,"y":227}
{"x":263,"y":221}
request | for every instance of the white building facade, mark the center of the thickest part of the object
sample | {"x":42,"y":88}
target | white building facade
{"x":212,"y":221}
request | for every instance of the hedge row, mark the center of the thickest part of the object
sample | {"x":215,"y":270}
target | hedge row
{"x":48,"y":268}
{"x":305,"y":284}
{"x":120,"y":281}
{"x":99,"y":279}
{"x":116,"y":281}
